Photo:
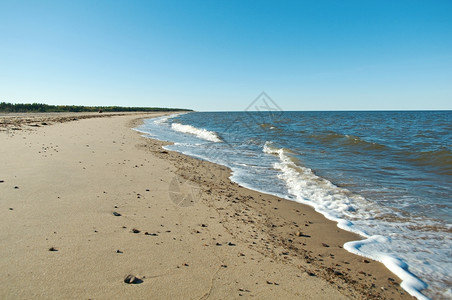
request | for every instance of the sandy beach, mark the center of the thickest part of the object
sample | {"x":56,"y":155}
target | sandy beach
{"x":109,"y":203}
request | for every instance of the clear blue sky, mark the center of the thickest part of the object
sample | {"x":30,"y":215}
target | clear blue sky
{"x":220,"y":55}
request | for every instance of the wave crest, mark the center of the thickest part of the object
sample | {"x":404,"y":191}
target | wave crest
{"x":335,"y":203}
{"x":199,"y":132}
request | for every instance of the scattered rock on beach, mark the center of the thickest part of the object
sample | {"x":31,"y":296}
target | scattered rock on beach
{"x":116,"y":214}
{"x":131,"y":279}
{"x":16,"y":187}
{"x":325,"y":245}
{"x":134,"y":230}
{"x":53,"y":249}
{"x":1,"y":181}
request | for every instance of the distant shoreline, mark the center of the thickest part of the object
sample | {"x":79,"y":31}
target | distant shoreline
{"x":46,"y":108}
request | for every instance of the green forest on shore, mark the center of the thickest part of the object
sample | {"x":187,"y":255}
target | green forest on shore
{"x":39,"y":107}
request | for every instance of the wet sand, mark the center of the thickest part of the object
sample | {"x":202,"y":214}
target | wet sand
{"x":113,"y":203}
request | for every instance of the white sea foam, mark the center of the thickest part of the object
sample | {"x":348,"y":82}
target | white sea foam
{"x":199,"y":132}
{"x":335,"y":204}
{"x":327,"y":198}
{"x":410,"y":282}
{"x":164,"y":119}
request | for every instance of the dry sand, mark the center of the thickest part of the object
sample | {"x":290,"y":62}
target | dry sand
{"x":198,"y":235}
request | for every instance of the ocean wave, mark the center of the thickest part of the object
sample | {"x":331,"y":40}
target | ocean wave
{"x":410,"y":282}
{"x":440,"y":160}
{"x":346,"y":140}
{"x":164,"y":119}
{"x":268,"y":126}
{"x":199,"y":132}
{"x":339,"y":204}
{"x":314,"y":190}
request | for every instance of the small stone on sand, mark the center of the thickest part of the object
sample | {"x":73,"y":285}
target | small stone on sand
{"x":131,"y":279}
{"x":53,"y":249}
{"x":116,"y":214}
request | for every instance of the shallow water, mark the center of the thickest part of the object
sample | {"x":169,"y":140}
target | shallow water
{"x":384,"y":175}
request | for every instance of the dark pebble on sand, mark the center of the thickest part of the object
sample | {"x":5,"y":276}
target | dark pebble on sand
{"x":325,"y":245}
{"x":11,"y":208}
{"x":231,"y":244}
{"x":119,"y":251}
{"x":131,"y":279}
{"x":151,"y":234}
{"x":135,"y":230}
{"x":116,"y":214}
{"x":1,"y":181}
{"x":53,"y":249}
{"x":16,"y":187}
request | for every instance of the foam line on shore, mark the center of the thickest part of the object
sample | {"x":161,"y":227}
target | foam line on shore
{"x":329,"y":201}
{"x":410,"y":282}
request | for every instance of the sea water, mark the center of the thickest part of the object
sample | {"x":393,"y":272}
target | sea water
{"x":384,"y":175}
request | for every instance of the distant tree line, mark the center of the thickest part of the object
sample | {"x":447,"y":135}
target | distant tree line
{"x":39,"y":107}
